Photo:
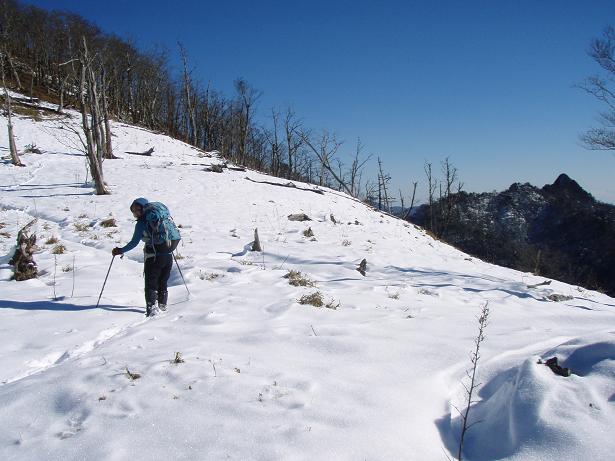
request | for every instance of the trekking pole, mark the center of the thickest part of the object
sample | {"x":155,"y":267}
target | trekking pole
{"x":182,"y":275}
{"x":105,"y":282}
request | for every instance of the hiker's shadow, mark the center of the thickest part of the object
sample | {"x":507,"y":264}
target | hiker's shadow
{"x":49,"y":305}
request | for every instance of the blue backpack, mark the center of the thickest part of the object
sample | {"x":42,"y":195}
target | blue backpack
{"x":160,"y":225}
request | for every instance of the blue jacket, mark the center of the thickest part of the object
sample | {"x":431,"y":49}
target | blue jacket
{"x":139,"y":234}
{"x":140,"y":227}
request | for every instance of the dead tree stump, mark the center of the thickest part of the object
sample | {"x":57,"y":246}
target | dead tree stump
{"x":256,"y":245}
{"x":362,"y":267}
{"x":23,"y":261}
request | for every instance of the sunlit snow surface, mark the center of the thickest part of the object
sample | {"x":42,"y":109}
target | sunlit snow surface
{"x":264,"y":377}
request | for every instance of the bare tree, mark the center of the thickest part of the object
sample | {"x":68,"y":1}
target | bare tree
{"x":384,"y":202}
{"x":602,"y":50}
{"x":356,"y":169}
{"x":63,"y":80}
{"x":448,"y":196}
{"x":407,"y":214}
{"x":91,"y":128}
{"x":7,"y":99}
{"x":247,"y":99}
{"x":325,"y":148}
{"x":190,"y":106}
{"x":7,"y":34}
{"x":274,"y":143}
{"x":105,"y":115}
{"x":431,"y":191}
{"x":294,"y":139}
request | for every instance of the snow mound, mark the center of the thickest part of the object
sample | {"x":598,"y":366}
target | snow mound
{"x":528,"y":412}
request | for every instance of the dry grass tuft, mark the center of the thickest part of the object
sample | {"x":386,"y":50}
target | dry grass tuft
{"x":313,"y":299}
{"x":296,"y":279}
{"x":80,"y":227}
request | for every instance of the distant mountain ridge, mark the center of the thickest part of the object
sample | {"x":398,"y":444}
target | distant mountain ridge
{"x":559,"y":231}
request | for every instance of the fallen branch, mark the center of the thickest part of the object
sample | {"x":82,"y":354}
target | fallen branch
{"x":288,"y":184}
{"x":147,"y":153}
{"x":546,"y":282}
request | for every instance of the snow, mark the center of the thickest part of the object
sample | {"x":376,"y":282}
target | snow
{"x":265,"y":377}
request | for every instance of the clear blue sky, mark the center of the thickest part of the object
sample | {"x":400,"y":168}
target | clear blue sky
{"x":487,"y":83}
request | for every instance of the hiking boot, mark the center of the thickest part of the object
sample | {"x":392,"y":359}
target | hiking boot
{"x":151,"y":310}
{"x":162,"y":307}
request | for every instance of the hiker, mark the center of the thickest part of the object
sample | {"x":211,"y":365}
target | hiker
{"x":156,"y":228}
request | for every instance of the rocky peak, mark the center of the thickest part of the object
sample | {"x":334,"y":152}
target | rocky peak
{"x":567,"y":188}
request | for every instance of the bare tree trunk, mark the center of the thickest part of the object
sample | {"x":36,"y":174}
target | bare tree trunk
{"x":189,"y":103}
{"x":384,"y":180}
{"x":94,"y":161}
{"x":105,"y":110}
{"x":356,"y":170}
{"x":325,"y":151}
{"x":247,"y":98}
{"x":432,"y":189}
{"x":407,"y":215}
{"x":13,"y":68}
{"x":413,"y":194}
{"x":60,"y":109}
{"x":12,"y":147}
{"x":293,"y":140}
{"x":94,"y":106}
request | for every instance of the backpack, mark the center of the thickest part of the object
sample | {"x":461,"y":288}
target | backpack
{"x":159,"y":224}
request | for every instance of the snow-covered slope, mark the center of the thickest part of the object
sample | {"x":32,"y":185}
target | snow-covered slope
{"x":265,"y":377}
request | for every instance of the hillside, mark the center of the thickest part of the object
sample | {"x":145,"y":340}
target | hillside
{"x":559,"y":231}
{"x":264,"y":377}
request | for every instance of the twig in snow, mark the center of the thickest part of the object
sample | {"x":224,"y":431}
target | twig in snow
{"x":313,"y":330}
{"x":55,"y":269}
{"x":283,"y":262}
{"x":474,"y":357}
{"x":214,"y":367}
{"x":73,"y":290}
{"x":132,"y":376}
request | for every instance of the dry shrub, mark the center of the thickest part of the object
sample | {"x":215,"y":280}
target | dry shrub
{"x":308,"y":232}
{"x":52,"y":240}
{"x":80,"y":227}
{"x":296,"y":279}
{"x":313,"y":299}
{"x":59,"y":249}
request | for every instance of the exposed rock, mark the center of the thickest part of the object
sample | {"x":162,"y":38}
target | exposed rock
{"x":298,"y":217}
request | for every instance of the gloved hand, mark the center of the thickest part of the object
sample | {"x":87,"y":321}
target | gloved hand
{"x":116,"y":251}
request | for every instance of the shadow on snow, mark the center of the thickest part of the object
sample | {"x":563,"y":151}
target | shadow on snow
{"x":59,"y":306}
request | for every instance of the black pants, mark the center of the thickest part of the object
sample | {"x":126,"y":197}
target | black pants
{"x":157,"y":271}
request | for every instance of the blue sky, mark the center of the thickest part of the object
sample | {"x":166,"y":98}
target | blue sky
{"x":489,"y":84}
